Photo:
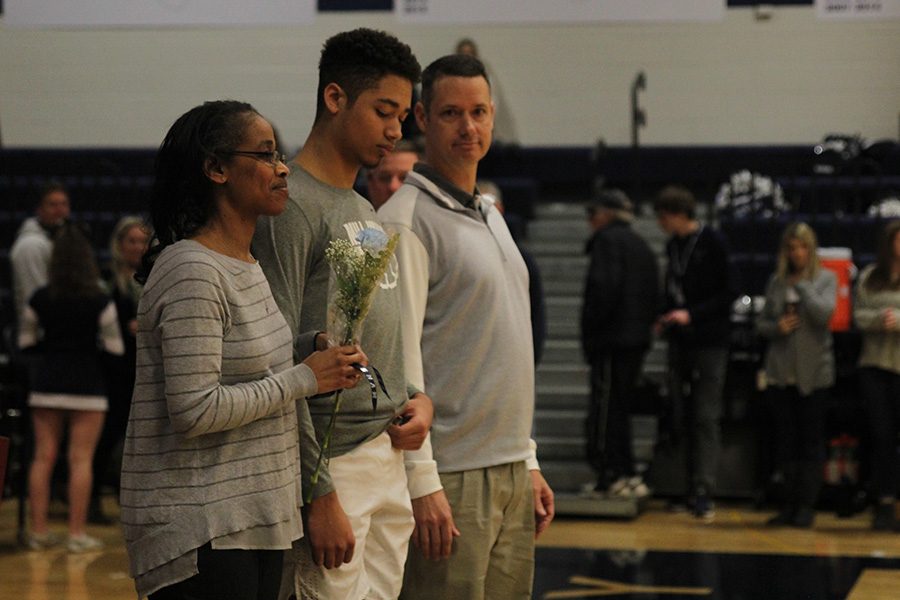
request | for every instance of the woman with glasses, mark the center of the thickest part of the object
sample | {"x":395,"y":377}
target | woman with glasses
{"x":210,"y":488}
{"x":799,"y":366}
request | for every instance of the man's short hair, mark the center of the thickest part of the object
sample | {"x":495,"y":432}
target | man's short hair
{"x":357,"y":60}
{"x":452,"y":65}
{"x":613,"y":200}
{"x":413,"y":145}
{"x":49,"y":187}
{"x":677,"y":200}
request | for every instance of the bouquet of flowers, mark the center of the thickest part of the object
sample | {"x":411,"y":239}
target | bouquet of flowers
{"x":357,"y":267}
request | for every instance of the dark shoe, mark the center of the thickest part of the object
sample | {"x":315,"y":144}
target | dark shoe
{"x":96,"y":515}
{"x":98,"y":518}
{"x":783,"y":518}
{"x":804,"y":517}
{"x":680,"y":505}
{"x":884,"y":517}
{"x":704,"y":509}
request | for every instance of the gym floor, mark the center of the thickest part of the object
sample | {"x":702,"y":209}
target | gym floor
{"x":660,"y":554}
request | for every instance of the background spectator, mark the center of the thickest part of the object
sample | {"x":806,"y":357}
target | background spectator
{"x":127,"y":245}
{"x":517,"y":227}
{"x":387,"y":177}
{"x":30,"y":253}
{"x":877,"y":314}
{"x":696,"y":320}
{"x":799,"y":367}
{"x":505,"y":131}
{"x":68,"y":383}
{"x":621,"y":298}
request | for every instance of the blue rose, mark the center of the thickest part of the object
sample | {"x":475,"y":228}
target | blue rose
{"x":372,"y":241}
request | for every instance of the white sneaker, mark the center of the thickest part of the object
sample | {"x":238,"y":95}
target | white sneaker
{"x":586,"y":490}
{"x":638,"y":488}
{"x":42,"y":541}
{"x":620,"y":489}
{"x":83,"y":543}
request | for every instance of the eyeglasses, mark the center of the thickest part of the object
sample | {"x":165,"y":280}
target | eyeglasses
{"x":271,"y":158}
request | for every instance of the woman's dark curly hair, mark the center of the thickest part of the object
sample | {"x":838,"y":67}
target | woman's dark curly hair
{"x":182,"y":200}
{"x":357,"y":60}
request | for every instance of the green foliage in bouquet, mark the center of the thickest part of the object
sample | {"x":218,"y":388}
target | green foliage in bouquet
{"x":357,"y":270}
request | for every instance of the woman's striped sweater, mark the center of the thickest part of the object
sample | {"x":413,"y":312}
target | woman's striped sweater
{"x":211,"y":450}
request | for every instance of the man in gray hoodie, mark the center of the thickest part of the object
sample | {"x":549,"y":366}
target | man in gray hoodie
{"x":467,"y":343}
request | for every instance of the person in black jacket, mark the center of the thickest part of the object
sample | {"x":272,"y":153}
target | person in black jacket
{"x":619,"y":309}
{"x":517,"y":226}
{"x":699,"y":292}
{"x":68,"y":326}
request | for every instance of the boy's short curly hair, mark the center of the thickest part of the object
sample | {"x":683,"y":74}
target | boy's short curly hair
{"x":357,"y":60}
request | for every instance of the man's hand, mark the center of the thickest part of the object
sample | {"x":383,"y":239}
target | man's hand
{"x":416,"y":422}
{"x":331,"y":538}
{"x":889,"y":320}
{"x":435,"y":529}
{"x":543,"y":502}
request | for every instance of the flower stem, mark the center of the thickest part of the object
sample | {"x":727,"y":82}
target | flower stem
{"x":326,"y":442}
{"x":326,"y":445}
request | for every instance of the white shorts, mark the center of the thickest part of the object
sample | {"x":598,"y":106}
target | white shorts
{"x":370,"y":482}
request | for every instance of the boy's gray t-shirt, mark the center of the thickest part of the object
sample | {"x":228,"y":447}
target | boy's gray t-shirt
{"x":291,"y":250}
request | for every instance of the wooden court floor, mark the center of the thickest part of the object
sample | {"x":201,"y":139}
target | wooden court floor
{"x":567,"y":559}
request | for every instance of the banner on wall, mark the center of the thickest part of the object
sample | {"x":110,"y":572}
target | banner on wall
{"x":154,"y":13}
{"x":858,"y":9}
{"x":560,"y":11}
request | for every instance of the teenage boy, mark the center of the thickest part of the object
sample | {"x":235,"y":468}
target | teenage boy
{"x":359,"y":520}
{"x":699,"y":291}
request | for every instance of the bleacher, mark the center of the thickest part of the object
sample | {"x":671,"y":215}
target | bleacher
{"x":105,"y":184}
{"x":545,"y":186}
{"x":834,"y":205}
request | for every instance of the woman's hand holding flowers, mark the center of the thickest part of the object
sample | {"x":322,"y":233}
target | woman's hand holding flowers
{"x":332,"y":367}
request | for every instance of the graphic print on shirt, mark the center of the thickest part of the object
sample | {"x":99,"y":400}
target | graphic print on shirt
{"x":392,"y":274}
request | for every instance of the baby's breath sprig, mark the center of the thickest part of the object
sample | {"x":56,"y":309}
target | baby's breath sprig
{"x":357,"y":270}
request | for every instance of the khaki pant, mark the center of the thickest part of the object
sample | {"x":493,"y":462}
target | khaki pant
{"x":493,"y":558}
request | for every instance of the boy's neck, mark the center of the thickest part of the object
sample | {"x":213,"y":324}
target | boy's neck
{"x":322,"y":159}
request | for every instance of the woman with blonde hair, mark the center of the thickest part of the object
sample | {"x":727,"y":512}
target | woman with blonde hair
{"x":127,"y":245}
{"x":877,"y":314}
{"x":799,"y":367}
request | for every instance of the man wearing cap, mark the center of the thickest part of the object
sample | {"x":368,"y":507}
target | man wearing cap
{"x":620,"y":307}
